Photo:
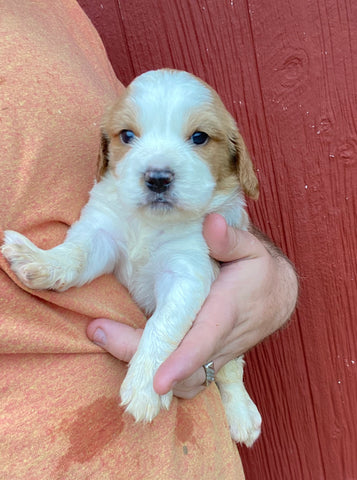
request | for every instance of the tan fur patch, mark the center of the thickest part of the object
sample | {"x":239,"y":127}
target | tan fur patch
{"x":120,"y":116}
{"x":225,"y":152}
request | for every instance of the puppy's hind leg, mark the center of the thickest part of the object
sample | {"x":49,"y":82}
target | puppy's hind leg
{"x":243,"y":416}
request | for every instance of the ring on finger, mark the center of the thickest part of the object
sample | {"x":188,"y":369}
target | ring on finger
{"x":209,"y":373}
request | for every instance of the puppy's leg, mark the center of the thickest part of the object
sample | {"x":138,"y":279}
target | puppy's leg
{"x":73,"y":263}
{"x":89,"y":250}
{"x":243,"y":416}
{"x":41,"y":269}
{"x":180,"y":295}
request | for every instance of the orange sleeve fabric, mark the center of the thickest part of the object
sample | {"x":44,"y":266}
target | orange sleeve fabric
{"x":59,"y":408}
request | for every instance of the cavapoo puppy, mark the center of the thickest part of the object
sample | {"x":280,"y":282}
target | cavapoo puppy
{"x":171,"y":154}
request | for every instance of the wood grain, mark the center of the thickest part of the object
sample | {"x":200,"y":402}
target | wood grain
{"x":288,"y":73}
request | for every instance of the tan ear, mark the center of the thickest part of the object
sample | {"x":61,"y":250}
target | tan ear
{"x":245,"y":169}
{"x":103,"y":156}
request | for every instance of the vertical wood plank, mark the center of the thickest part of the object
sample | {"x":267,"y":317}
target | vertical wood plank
{"x":287,"y":70}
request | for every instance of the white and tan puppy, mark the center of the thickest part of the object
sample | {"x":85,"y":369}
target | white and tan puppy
{"x":171,"y":154}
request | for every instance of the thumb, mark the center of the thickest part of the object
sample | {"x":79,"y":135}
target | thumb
{"x":226,"y":243}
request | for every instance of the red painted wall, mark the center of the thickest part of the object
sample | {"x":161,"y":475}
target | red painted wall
{"x":287,"y":70}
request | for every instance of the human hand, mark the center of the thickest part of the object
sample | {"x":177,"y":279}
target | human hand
{"x":252,"y":297}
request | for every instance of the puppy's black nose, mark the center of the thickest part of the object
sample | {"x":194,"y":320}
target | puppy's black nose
{"x":157,"y":180}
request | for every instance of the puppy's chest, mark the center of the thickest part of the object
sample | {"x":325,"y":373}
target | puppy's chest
{"x":151,"y":253}
{"x":140,"y":264}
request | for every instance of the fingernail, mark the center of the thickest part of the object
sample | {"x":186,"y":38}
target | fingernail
{"x":99,"y":337}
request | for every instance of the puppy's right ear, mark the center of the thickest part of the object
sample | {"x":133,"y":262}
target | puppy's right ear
{"x":103,"y":156}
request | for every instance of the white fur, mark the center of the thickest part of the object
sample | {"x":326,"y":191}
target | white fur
{"x":159,"y":253}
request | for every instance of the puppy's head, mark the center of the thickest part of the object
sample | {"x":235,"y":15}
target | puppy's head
{"x":172,"y":146}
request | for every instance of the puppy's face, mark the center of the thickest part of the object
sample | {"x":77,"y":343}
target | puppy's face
{"x":173,"y":147}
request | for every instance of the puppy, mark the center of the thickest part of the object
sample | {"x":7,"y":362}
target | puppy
{"x":171,"y":154}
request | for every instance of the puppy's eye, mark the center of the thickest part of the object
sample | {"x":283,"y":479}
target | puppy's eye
{"x":127,"y":136}
{"x":199,"y":138}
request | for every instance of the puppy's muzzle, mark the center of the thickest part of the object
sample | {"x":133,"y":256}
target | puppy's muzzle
{"x":157,"y":180}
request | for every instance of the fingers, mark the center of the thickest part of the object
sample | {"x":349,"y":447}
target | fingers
{"x":182,"y":371}
{"x":122,"y":341}
{"x":198,"y":347}
{"x":191,"y":386}
{"x":226,"y":243}
{"x":116,"y":338}
{"x":208,"y":332}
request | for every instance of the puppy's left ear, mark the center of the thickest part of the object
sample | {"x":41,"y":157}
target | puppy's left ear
{"x":103,"y":156}
{"x":245,"y":169}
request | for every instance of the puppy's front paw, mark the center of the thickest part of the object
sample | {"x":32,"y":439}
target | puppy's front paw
{"x":138,"y":394}
{"x":243,"y":417}
{"x":33,"y":266}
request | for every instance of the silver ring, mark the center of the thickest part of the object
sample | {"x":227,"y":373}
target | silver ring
{"x":209,"y":372}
